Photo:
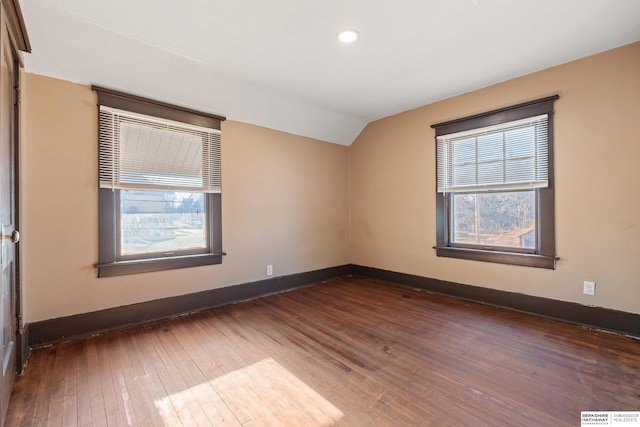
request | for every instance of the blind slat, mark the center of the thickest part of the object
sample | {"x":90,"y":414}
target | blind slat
{"x":141,"y":152}
{"x":509,"y":156}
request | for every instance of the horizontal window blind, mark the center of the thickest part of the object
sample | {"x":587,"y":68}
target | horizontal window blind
{"x":143,"y":152}
{"x":508,"y":156}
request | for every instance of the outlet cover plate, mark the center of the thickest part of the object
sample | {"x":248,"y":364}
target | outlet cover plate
{"x":589,"y":288}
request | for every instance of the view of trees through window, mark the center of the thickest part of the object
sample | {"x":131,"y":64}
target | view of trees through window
{"x":161,"y":221}
{"x":501,"y":219}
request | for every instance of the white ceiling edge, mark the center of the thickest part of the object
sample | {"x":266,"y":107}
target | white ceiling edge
{"x":258,"y":105}
{"x":247,"y":103}
{"x":255,"y":104}
{"x":307,"y":85}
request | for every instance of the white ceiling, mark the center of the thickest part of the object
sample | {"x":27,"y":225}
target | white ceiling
{"x":278,"y":63}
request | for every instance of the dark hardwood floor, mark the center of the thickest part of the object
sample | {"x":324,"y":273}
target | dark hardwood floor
{"x":349,"y":352}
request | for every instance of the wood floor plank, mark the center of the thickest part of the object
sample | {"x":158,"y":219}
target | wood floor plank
{"x":48,"y":393}
{"x":29,"y":392}
{"x":194,"y":364}
{"x":348,"y":352}
{"x":169,"y":403}
{"x":214,"y":367}
{"x":181,"y":396}
{"x":78,"y":352}
{"x":140,"y":410}
{"x":195,"y":386}
{"x":68,"y":366}
{"x":272,"y":342}
{"x":282,"y":391}
{"x":236,"y":383}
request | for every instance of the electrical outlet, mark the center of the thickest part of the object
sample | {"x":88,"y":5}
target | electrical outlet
{"x":269,"y":270}
{"x":589,"y":288}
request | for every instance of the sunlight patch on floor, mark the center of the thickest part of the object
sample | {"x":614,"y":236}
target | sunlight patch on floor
{"x":264,"y":393}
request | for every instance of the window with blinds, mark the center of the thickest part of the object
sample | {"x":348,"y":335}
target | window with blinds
{"x":494,"y":186}
{"x":159,"y":185}
{"x":145,"y":153}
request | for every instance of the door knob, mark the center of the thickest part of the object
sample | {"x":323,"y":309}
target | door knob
{"x":15,"y":236}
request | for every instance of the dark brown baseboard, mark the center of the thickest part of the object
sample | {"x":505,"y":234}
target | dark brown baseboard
{"x":46,"y":332}
{"x":620,"y":322}
{"x":52,"y":331}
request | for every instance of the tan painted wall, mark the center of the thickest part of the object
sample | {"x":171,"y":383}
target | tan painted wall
{"x":285,"y":202}
{"x":294,"y":202}
{"x":597,"y":170}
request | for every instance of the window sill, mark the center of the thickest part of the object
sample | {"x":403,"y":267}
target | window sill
{"x":121,"y":268}
{"x":510,"y":258}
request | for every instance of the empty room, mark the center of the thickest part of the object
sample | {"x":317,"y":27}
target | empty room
{"x":305,"y":213}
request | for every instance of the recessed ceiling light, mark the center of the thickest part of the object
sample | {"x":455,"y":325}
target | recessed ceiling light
{"x":348,"y":36}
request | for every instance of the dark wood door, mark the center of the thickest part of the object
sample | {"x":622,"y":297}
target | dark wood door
{"x":10,"y":236}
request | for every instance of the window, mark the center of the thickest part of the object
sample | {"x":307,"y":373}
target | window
{"x":159,"y":186}
{"x":494,"y":196}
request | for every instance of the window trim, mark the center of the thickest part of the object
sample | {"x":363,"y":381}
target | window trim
{"x":108,"y":264}
{"x":544,"y":256}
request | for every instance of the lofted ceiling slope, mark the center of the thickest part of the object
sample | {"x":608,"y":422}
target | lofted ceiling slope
{"x":279,"y":64}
